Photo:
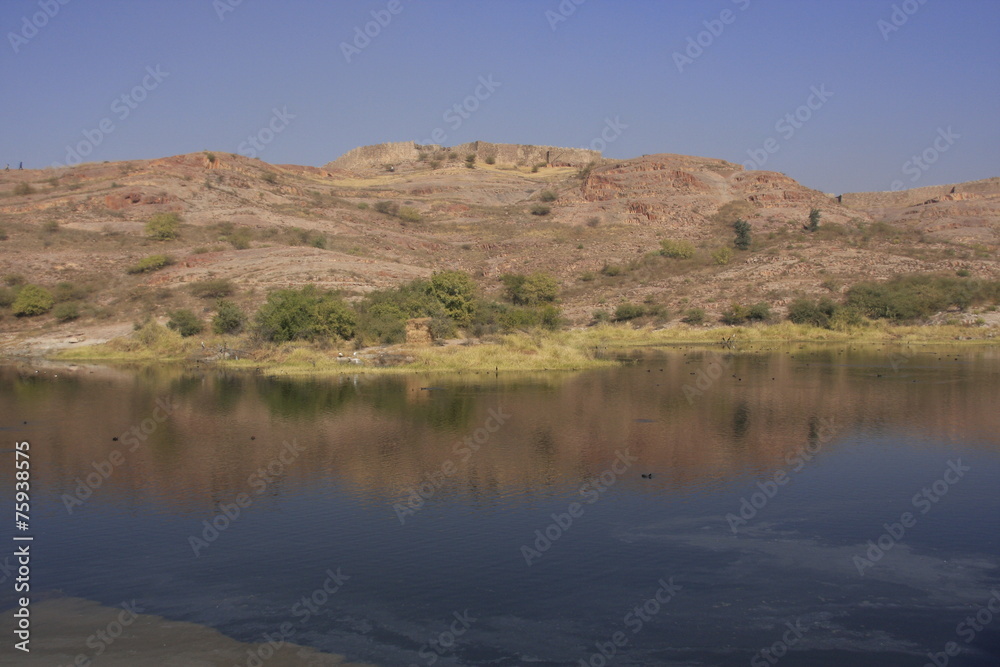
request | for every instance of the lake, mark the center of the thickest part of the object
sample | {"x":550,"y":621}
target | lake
{"x":802,"y":505}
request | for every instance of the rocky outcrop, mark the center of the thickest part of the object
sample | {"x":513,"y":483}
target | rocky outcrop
{"x":378,"y":156}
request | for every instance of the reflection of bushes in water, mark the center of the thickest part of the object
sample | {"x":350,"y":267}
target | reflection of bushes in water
{"x":741,"y":420}
{"x":305,"y":398}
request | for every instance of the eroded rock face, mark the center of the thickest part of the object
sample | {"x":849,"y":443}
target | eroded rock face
{"x":378,"y":156}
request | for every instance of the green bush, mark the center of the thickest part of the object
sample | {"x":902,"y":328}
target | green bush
{"x":185,"y":323}
{"x":65,"y":312}
{"x":906,"y":298}
{"x":456,"y":292}
{"x":215,"y":288}
{"x":269,"y":177}
{"x":229,"y":318}
{"x":722,"y":256}
{"x":7,"y":296}
{"x":738,"y":314}
{"x":490,"y":160}
{"x":470,"y":161}
{"x":163,"y":226}
{"x":22,"y":189}
{"x":816,"y":313}
{"x":548,"y":196}
{"x":676,"y":249}
{"x":693,"y":316}
{"x":151,"y":263}
{"x":32,"y":300}
{"x":759,"y":312}
{"x":530,"y":290}
{"x":628,"y":311}
{"x":305,"y":313}
{"x":66,"y":291}
{"x":612,"y":270}
{"x":540,"y":209}
{"x":601,"y":316}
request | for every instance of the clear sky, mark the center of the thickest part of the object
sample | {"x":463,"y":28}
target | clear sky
{"x":208,"y":74}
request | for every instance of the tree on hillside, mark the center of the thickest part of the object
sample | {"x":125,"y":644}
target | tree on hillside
{"x":457,"y":293}
{"x":814,"y":216}
{"x":742,"y":228}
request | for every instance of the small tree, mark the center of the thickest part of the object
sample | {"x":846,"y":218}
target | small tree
{"x":742,"y":228}
{"x":814,"y":216}
{"x":456,"y":291}
{"x":676,"y":249}
{"x":185,"y":323}
{"x":229,"y":318}
{"x":163,"y":226}
{"x":722,"y":256}
{"x":532,"y":290}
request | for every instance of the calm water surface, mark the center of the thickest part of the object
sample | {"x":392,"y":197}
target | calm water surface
{"x":834,"y":506}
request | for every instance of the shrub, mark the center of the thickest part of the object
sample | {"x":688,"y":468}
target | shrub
{"x":548,"y":196}
{"x":612,"y":270}
{"x":593,"y":221}
{"x":185,"y":323}
{"x":587,"y":276}
{"x":50,"y":226}
{"x":269,"y":177}
{"x":736,"y":314}
{"x":807,"y":311}
{"x":628,"y":311}
{"x":531,"y":290}
{"x":229,"y":318}
{"x":22,"y":189}
{"x":963,"y":273}
{"x":456,"y":292}
{"x":163,"y":226}
{"x":693,"y":316}
{"x":434,"y":164}
{"x":387,"y":207}
{"x":3,"y":234}
{"x":742,"y":229}
{"x":540,"y":209}
{"x":601,"y":316}
{"x":216,"y":288}
{"x":409,"y":214}
{"x":305,"y":313}
{"x":151,"y":263}
{"x":210,"y":157}
{"x":32,"y":300}
{"x":911,"y":297}
{"x":490,"y":159}
{"x":66,"y":291}
{"x":65,"y":312}
{"x":7,"y":297}
{"x":722,"y":256}
{"x":759,"y":312}
{"x":470,"y":161}
{"x":363,"y":206}
{"x":676,"y":249}
{"x":13,"y":279}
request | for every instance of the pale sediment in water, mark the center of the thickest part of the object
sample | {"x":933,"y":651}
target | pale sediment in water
{"x":62,"y":627}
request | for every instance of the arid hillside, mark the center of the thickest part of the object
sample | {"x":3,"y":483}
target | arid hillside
{"x":384,"y":215}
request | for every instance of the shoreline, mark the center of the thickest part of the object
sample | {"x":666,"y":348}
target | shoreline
{"x":570,"y":350}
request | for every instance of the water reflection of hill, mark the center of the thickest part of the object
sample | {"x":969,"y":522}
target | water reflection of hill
{"x":385,"y":435}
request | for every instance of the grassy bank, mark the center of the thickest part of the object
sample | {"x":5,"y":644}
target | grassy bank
{"x":539,"y":351}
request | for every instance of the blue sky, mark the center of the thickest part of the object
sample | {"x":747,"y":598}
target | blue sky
{"x":925,"y":82}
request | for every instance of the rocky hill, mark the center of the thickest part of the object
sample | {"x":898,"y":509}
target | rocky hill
{"x":382,"y":215}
